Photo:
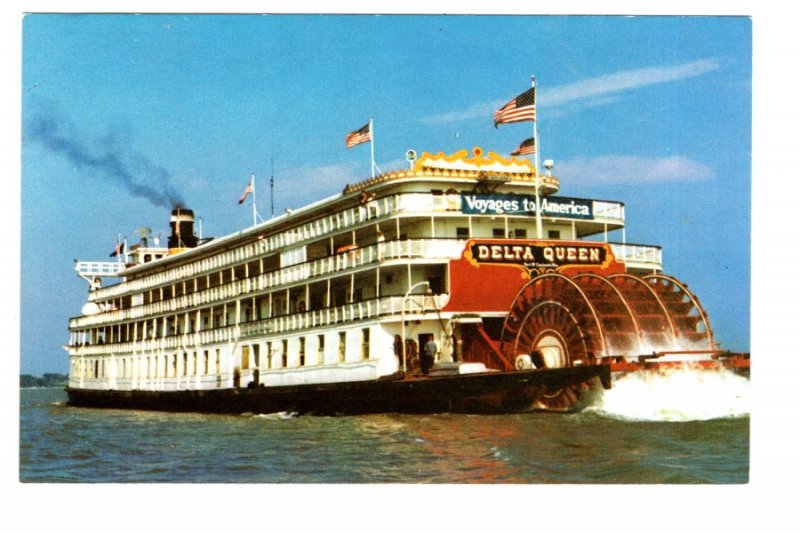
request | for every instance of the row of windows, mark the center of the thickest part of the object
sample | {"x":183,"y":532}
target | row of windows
{"x":268,"y":264}
{"x":500,"y":233}
{"x":273,"y":350}
{"x":318,"y":228}
{"x":316,"y":296}
{"x":205,"y":363}
{"x":155,"y":366}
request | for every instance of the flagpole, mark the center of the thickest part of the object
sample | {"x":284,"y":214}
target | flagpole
{"x":536,"y":148}
{"x":372,"y":148}
{"x":253,"y":187}
{"x":272,"y":187}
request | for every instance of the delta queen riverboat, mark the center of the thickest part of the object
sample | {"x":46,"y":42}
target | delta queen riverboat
{"x":329,"y":308}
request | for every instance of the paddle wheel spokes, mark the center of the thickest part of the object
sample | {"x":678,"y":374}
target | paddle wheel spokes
{"x":693,"y":329}
{"x":557,"y":321}
{"x":656,"y":327}
{"x":620,"y":324}
{"x":554,"y":302}
{"x":551,"y":335}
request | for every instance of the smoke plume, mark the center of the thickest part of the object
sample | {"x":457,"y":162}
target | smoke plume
{"x":136,"y":173}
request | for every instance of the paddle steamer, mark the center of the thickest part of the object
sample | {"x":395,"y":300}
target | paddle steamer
{"x":329,"y":308}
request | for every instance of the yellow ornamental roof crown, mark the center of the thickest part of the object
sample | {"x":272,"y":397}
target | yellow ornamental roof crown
{"x":492,"y":162}
{"x":461,"y":165}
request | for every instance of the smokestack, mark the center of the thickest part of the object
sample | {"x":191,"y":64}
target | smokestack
{"x":182,"y":225}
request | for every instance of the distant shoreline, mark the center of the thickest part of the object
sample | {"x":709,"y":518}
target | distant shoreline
{"x":47,"y":380}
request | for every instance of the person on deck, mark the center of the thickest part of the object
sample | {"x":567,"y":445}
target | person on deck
{"x":398,"y":350}
{"x":412,"y":361}
{"x":429,"y":355}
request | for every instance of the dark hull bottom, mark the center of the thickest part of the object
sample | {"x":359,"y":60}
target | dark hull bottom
{"x":497,"y":392}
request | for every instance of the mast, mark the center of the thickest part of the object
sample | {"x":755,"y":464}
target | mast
{"x":253,"y":185}
{"x":372,"y":147}
{"x":538,"y":181}
{"x":271,"y":186}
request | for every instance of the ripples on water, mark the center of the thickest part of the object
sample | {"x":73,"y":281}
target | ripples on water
{"x":613,"y":441}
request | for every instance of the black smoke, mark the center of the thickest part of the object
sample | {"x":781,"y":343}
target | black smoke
{"x":135,"y":172}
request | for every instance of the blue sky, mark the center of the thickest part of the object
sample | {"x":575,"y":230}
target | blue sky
{"x":651,"y":111}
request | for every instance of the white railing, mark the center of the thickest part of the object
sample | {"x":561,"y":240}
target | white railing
{"x":98,"y":268}
{"x":313,"y":230}
{"x":608,"y":210}
{"x":638,"y":254}
{"x":283,"y":278}
{"x":422,"y":203}
{"x":368,"y":309}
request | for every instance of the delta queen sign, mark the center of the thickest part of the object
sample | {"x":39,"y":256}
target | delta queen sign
{"x":490,"y":272}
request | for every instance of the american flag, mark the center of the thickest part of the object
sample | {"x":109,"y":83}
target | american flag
{"x":528,"y":146}
{"x":247,"y":191}
{"x":520,"y":109}
{"x":359,"y":136}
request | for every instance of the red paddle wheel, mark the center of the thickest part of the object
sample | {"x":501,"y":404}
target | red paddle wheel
{"x":558,"y":321}
{"x":688,"y":316}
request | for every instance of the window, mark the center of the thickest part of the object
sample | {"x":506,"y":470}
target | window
{"x":205,"y":361}
{"x":520,"y":233}
{"x":269,"y":355}
{"x":498,"y":233}
{"x":284,"y":353}
{"x":462,"y":233}
{"x":342,"y":346}
{"x":302,"y":351}
{"x":320,"y":349}
{"x":365,"y":343}
{"x":245,"y":360}
{"x":553,"y":234}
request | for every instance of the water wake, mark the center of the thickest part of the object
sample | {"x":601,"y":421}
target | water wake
{"x":678,"y":395}
{"x":282,"y":415}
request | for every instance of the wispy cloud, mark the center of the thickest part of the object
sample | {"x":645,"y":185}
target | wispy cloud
{"x":629,"y":169}
{"x":394,"y":164}
{"x":624,"y":81}
{"x":310,"y":182}
{"x":600,"y":90}
{"x":313,"y":182}
{"x":474,"y":111}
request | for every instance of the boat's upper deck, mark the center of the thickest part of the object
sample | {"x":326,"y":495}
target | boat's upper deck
{"x":454,"y":196}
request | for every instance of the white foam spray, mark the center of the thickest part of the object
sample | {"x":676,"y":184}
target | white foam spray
{"x":677,"y":395}
{"x":282,"y":415}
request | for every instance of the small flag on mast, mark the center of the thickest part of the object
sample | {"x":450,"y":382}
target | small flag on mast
{"x":358,"y":136}
{"x":528,"y":146}
{"x":519,"y":109}
{"x":247,"y":191}
{"x":119,"y":250}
